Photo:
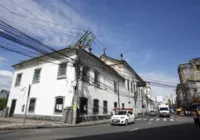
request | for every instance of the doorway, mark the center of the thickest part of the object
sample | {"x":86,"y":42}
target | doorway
{"x":12,"y":108}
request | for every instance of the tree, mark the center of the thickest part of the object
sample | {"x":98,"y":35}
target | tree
{"x":3,"y":103}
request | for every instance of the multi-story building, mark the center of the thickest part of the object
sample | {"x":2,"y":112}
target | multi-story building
{"x":73,"y":85}
{"x":189,"y":87}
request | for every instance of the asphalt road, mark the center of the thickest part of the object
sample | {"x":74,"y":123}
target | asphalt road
{"x":182,"y":126}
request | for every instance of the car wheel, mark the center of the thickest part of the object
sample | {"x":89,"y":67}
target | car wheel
{"x":133,"y":121}
{"x":126,"y":122}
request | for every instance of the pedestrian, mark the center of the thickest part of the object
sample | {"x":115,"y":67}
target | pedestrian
{"x":196,"y":118}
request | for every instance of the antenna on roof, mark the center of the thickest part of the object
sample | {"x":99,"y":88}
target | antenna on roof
{"x":85,"y":41}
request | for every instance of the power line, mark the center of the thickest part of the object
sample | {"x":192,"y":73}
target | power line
{"x":10,"y":11}
{"x":21,"y":53}
{"x":4,"y":85}
{"x":43,"y":27}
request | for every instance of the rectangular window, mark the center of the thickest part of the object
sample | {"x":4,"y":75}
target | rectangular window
{"x":85,"y":74}
{"x":96,"y":78}
{"x":95,"y":106}
{"x":83,"y":105}
{"x":18,"y":80}
{"x":128,"y":84}
{"x":105,"y":107}
{"x":59,"y":105}
{"x":62,"y":70}
{"x":131,"y":86}
{"x":36,"y":76}
{"x":115,"y":86}
{"x":198,"y":67}
{"x":123,"y":106}
{"x":115,"y":104}
{"x":32,"y":105}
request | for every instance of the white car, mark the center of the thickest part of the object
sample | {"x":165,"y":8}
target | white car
{"x":123,"y":117}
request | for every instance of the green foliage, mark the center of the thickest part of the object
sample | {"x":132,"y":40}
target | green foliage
{"x":3,"y":103}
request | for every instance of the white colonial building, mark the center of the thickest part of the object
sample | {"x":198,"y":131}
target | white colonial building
{"x":75,"y":85}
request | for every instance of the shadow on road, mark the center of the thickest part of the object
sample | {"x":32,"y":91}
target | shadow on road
{"x":175,"y":132}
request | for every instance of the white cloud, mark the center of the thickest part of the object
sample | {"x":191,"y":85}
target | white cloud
{"x":3,"y":59}
{"x":160,"y":77}
{"x":6,"y":73}
{"x":5,"y":79}
{"x":56,"y":12}
{"x":147,"y":56}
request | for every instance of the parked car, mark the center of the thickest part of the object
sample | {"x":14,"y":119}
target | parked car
{"x":152,"y":113}
{"x":123,"y":117}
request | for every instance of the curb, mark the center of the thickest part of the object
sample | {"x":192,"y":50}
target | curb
{"x":43,"y":126}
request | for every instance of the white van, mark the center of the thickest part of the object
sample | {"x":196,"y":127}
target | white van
{"x":164,"y":110}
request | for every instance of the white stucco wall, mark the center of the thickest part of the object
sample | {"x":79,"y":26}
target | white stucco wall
{"x":45,"y":91}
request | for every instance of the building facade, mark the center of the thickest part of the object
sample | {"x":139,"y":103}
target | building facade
{"x":188,"y":91}
{"x":73,"y":79}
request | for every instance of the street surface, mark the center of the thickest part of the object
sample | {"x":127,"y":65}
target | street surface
{"x":161,"y":128}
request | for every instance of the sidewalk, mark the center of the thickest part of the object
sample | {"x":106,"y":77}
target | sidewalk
{"x":10,"y":123}
{"x":17,"y":123}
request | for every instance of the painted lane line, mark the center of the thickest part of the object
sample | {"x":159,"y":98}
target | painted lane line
{"x":134,"y":129}
{"x":145,"y":119}
{"x":171,"y":120}
{"x":138,"y":119}
{"x":165,"y":120}
{"x":157,"y":119}
{"x":151,"y":119}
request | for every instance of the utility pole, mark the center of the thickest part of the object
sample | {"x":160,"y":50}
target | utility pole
{"x":76,"y":93}
{"x":28,"y":94}
{"x":118,"y":95}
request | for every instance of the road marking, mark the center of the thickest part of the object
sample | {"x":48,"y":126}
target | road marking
{"x":151,"y":119}
{"x":134,"y":129}
{"x":145,"y":119}
{"x":165,"y":120}
{"x":139,"y":119}
{"x":157,"y":119}
{"x":150,"y":123}
{"x":171,"y":120}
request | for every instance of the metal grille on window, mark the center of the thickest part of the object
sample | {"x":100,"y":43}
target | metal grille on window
{"x":95,"y":106}
{"x":59,"y":105}
{"x":105,"y":107}
{"x":32,"y":105}
{"x":36,"y":77}
{"x":18,"y":79}
{"x":62,"y":70}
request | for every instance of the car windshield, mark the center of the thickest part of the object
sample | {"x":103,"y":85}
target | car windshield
{"x":164,"y":109}
{"x":121,"y":113}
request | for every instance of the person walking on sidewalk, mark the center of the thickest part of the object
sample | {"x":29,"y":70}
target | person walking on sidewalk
{"x":196,"y":118}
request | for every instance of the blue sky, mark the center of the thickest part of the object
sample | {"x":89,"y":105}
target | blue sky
{"x":154,"y":36}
